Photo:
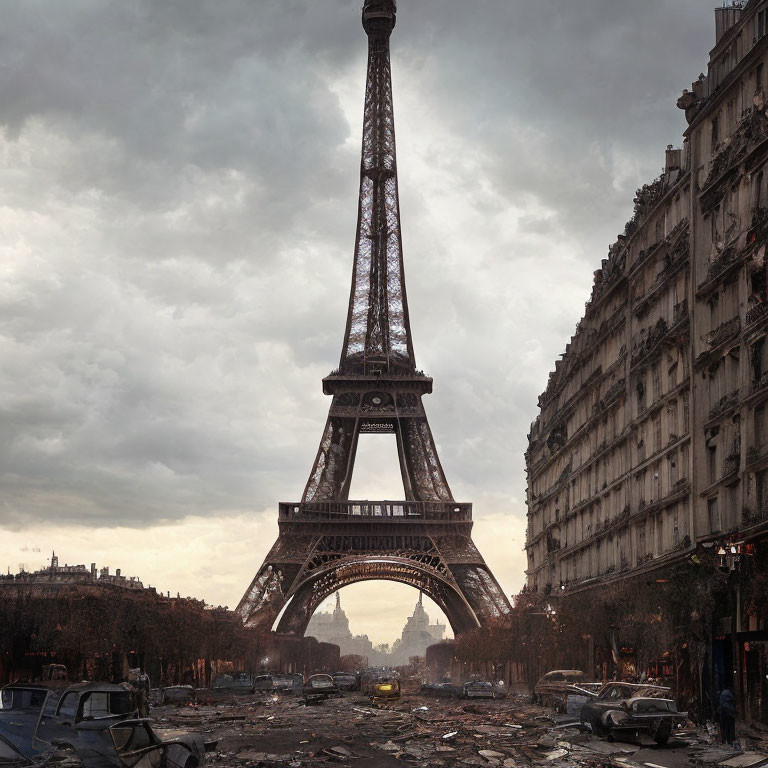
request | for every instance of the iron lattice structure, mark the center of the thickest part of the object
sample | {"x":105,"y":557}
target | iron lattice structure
{"x":327,"y":541}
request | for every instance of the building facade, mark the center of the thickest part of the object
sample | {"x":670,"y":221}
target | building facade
{"x":652,"y":438}
{"x":71,"y":574}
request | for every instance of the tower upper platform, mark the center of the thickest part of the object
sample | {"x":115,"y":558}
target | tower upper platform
{"x":379,"y":15}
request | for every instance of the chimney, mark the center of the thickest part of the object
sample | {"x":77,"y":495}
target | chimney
{"x":673,"y":158}
{"x":726,"y":17}
{"x":117,"y":572}
{"x":93,"y":570}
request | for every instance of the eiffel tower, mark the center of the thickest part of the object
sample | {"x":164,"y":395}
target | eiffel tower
{"x":327,"y":541}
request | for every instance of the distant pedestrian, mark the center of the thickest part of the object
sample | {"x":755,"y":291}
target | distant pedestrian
{"x":727,"y":712}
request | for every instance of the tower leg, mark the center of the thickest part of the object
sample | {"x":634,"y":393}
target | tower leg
{"x":419,"y":463}
{"x":332,"y":471}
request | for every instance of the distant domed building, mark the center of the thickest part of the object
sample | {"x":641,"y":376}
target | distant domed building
{"x":334,"y":628}
{"x":417,"y":635}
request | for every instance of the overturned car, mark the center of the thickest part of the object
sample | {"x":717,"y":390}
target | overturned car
{"x":626,"y":708}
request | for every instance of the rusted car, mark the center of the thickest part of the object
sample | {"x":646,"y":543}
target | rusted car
{"x":627,"y":708}
{"x":181,"y":695}
{"x":319,"y":687}
{"x":558,"y":686}
{"x":346,"y":681}
{"x":478,"y":689}
{"x":386,"y":687}
{"x":21,"y":706}
{"x":95,"y":721}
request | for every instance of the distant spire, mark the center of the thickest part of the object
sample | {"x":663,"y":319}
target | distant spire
{"x":421,"y":595}
{"x":338,"y":601}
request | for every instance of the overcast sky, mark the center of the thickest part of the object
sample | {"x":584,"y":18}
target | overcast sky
{"x":177,"y":219}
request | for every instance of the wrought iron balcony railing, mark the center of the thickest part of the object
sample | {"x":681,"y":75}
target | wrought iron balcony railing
{"x":396,"y":511}
{"x":759,"y":312}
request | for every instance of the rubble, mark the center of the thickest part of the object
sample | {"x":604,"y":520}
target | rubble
{"x":255,"y":731}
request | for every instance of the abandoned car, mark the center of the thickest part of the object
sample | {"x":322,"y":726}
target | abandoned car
{"x":565,"y":690}
{"x":319,"y":687}
{"x":346,"y":681}
{"x":632,"y":708}
{"x":20,"y":709}
{"x":384,"y":688}
{"x":478,"y":689}
{"x":95,"y":721}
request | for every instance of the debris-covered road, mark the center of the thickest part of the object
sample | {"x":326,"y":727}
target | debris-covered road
{"x":416,"y":730}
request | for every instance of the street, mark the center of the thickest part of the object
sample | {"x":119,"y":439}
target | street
{"x":425,"y":731}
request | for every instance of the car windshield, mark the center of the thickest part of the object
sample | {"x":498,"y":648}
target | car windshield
{"x":321,"y":682}
{"x":20,"y":698}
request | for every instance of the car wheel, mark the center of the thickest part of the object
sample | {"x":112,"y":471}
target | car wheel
{"x":663,"y":734}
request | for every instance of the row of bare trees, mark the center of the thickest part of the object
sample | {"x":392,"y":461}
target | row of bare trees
{"x":671,"y":616}
{"x":92,"y":630}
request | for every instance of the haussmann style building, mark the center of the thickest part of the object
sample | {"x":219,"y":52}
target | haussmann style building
{"x":649,"y":458}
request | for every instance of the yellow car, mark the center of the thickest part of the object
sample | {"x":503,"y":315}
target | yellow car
{"x":385,"y":689}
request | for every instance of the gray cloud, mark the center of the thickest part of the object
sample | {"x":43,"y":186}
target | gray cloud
{"x":177,"y":223}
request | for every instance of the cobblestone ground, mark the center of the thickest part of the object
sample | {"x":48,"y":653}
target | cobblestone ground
{"x":422,"y":731}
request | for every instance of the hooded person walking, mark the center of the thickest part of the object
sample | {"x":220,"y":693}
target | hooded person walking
{"x":727,"y":712}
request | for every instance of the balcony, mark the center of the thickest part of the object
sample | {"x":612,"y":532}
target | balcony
{"x":680,"y":312}
{"x":376,"y":511}
{"x":679,"y":491}
{"x":757,"y":314}
{"x":760,"y":384}
{"x":724,"y":405}
{"x":723,"y":333}
{"x":756,"y":454}
{"x":731,"y":464}
{"x":613,"y":392}
{"x":718,"y":268}
{"x":643,"y":348}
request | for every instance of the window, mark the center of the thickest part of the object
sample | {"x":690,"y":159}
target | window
{"x":656,"y":377}
{"x":758,"y":191}
{"x":672,"y":463}
{"x":714,"y":515}
{"x":711,"y":463}
{"x":715,"y":132}
{"x":761,"y":25}
{"x":672,"y":417}
{"x":640,"y":396}
{"x":762,"y":491}
{"x":757,"y":360}
{"x":68,"y":705}
{"x":758,"y":78}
